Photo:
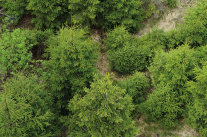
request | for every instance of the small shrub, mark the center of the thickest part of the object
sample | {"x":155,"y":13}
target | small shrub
{"x":129,"y":58}
{"x":163,"y":106}
{"x":26,"y":108}
{"x":14,"y":51}
{"x":172,"y":3}
{"x":117,"y":38}
{"x":103,"y":111}
{"x":135,"y":86}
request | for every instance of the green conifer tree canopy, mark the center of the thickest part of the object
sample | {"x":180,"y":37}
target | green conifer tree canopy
{"x":103,"y":111}
{"x":197,"y":109}
{"x":25,"y":108}
{"x":72,"y":55}
{"x":171,"y":71}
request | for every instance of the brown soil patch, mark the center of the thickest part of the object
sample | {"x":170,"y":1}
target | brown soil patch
{"x":23,"y":23}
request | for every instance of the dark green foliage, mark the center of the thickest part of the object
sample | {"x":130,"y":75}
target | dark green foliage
{"x":36,"y":37}
{"x":163,"y":106}
{"x":130,"y":58}
{"x":170,"y":72}
{"x":25,"y":108}
{"x":113,"y":12}
{"x":135,"y":86}
{"x":172,"y":3}
{"x":103,"y":111}
{"x":154,"y":40}
{"x":49,"y":14}
{"x":104,"y":14}
{"x":14,"y":8}
{"x":83,"y":11}
{"x":14,"y":51}
{"x":197,"y":109}
{"x":123,"y":54}
{"x":71,"y":63}
{"x":117,"y":37}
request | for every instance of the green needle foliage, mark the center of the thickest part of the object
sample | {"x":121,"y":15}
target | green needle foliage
{"x":197,"y":109}
{"x":163,"y":106}
{"x":171,"y":71}
{"x":103,"y":111}
{"x":25,"y":108}
{"x":123,"y":54}
{"x":130,"y":58}
{"x":14,"y":8}
{"x":135,"y":86}
{"x":72,"y":55}
{"x":83,"y":11}
{"x":14,"y":51}
{"x":126,"y":12}
{"x":49,"y":14}
{"x":117,"y":37}
{"x":175,"y":67}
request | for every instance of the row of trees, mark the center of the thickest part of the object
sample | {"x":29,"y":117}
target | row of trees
{"x":104,"y":14}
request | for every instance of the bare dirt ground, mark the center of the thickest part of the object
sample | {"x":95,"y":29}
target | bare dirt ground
{"x":169,"y":19}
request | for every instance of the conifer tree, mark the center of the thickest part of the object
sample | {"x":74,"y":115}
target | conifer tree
{"x":170,"y":72}
{"x":49,"y":14}
{"x":197,"y":114}
{"x":103,"y":111}
{"x":25,"y":108}
{"x":126,"y":12}
{"x":72,"y":55}
{"x":83,"y":11}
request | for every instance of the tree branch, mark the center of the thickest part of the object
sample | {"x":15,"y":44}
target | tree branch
{"x":10,"y":18}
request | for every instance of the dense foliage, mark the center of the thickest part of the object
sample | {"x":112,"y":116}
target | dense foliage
{"x":103,"y":111}
{"x":124,"y":55}
{"x":14,"y":51}
{"x":170,"y":72}
{"x":62,"y":89}
{"x":70,"y":67}
{"x":130,"y":58}
{"x":14,"y":8}
{"x":197,"y":109}
{"x":136,"y":86}
{"x":25,"y":108}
